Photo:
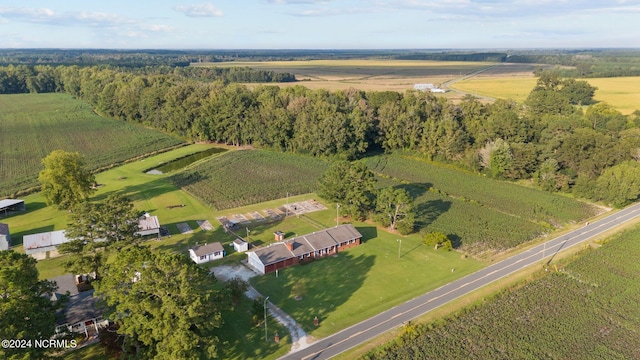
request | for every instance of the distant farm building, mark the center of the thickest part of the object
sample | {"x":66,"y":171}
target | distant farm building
{"x":207,"y":252}
{"x":303,"y":248}
{"x":5,"y":237}
{"x":37,"y":245}
{"x":9,"y":205}
{"x":148,"y":225}
{"x":428,"y":87}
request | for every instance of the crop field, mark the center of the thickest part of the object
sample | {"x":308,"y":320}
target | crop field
{"x":515,"y":200}
{"x":246,"y":177}
{"x":33,"y":125}
{"x":623,"y":93}
{"x":394,"y":75}
{"x":473,"y":228}
{"x":587,"y":310}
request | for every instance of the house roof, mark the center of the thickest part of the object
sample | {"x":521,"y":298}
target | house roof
{"x":34,"y":242}
{"x":148,"y":222}
{"x":207,"y":249}
{"x":305,"y":244}
{"x":80,"y":307}
{"x":344,"y":233}
{"x":301,"y":246}
{"x":4,"y":229}
{"x":273,"y":253}
{"x":9,"y":202}
{"x":320,"y":240}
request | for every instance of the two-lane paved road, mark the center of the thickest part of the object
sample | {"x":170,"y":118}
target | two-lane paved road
{"x":383,"y":322}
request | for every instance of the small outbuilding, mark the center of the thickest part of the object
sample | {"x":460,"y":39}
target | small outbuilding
{"x":38,"y":244}
{"x":148,"y":225}
{"x":207,"y":252}
{"x":5,"y":237}
{"x":11,"y":205}
{"x":240,"y":245}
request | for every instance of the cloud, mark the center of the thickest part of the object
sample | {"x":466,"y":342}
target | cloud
{"x":326,"y":11}
{"x":508,"y":8}
{"x":296,"y":2}
{"x":199,"y":10}
{"x":158,"y":28}
{"x":47,"y":16}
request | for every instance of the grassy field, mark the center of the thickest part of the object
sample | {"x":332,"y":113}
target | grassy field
{"x":33,"y":125}
{"x":248,"y":177}
{"x":623,"y":93}
{"x":574,"y":313}
{"x":505,"y":197}
{"x":395,"y":75}
{"x":361,"y":282}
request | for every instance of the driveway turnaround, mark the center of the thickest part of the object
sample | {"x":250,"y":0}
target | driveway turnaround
{"x":392,"y":318}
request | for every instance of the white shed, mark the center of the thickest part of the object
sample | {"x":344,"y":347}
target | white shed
{"x":240,"y":245}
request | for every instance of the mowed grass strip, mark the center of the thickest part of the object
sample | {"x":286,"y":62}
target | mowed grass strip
{"x":247,"y":177}
{"x":512,"y":199}
{"x":586,"y":310}
{"x":33,"y":125}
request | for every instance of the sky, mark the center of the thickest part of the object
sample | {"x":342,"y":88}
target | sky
{"x":320,"y":24}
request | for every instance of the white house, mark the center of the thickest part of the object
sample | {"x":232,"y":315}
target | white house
{"x":207,"y":252}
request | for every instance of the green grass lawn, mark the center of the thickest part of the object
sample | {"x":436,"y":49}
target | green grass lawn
{"x":362,"y":281}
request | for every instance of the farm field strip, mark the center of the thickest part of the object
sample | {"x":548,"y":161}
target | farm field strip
{"x":526,"y":203}
{"x":33,"y":125}
{"x":247,"y":177}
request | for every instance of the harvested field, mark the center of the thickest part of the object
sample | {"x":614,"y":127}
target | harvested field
{"x":367,"y":75}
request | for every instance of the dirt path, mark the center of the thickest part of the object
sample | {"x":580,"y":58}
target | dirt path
{"x":299,"y":338}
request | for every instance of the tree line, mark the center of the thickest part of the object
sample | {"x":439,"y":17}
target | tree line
{"x":18,"y":79}
{"x":547,"y":139}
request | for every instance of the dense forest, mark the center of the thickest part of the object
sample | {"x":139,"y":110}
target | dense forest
{"x":548,"y":139}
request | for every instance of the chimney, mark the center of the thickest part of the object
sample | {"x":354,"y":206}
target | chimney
{"x":289,"y":245}
{"x":279,"y":235}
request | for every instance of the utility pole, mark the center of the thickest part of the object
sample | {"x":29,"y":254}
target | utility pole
{"x":337,"y":214}
{"x":265,"y":318}
{"x":399,"y":246}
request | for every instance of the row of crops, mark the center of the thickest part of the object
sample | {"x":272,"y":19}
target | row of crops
{"x":34,"y":125}
{"x":588,"y":310}
{"x":513,"y":199}
{"x":245,"y":177}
